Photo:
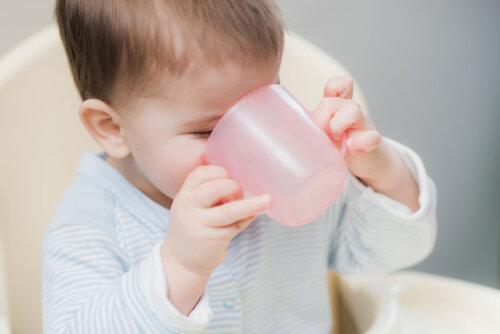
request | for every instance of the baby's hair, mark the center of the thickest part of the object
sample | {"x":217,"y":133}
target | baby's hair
{"x":120,"y":49}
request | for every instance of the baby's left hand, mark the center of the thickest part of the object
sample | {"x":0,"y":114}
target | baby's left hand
{"x":368,"y":157}
{"x":338,"y":113}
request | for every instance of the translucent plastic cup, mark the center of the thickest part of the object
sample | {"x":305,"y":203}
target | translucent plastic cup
{"x":269,"y":144}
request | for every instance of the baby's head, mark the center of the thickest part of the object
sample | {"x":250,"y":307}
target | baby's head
{"x":155,"y":76}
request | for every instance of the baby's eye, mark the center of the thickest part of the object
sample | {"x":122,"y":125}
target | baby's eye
{"x":204,"y":134}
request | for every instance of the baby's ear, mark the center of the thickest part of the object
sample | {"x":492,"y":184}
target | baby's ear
{"x":106,"y":127}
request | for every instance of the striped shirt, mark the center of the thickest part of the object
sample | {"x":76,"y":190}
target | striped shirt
{"x":102,"y":271}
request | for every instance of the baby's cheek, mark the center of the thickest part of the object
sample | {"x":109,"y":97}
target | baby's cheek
{"x":180,"y":172}
{"x":178,"y":162}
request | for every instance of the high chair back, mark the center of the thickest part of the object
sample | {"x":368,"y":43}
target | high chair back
{"x":41,"y":141}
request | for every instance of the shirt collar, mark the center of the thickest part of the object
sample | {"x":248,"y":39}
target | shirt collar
{"x":94,"y":167}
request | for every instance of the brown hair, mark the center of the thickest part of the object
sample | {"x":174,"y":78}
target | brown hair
{"x":119,"y":49}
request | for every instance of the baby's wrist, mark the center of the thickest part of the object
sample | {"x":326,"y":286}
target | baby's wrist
{"x":387,"y":171}
{"x":184,"y":287}
{"x":170,"y":260}
{"x":394,"y":180}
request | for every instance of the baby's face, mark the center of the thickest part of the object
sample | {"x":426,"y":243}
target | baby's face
{"x":167,"y":134}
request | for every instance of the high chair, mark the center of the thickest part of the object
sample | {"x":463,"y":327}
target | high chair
{"x":41,"y":141}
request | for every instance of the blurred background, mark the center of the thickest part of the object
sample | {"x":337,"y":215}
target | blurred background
{"x":430,"y":73}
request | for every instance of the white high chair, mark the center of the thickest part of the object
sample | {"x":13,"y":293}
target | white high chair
{"x":41,"y":141}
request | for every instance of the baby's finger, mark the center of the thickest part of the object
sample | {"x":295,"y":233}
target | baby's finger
{"x":203,"y":174}
{"x":349,"y":116}
{"x":212,"y":192}
{"x":231,"y":230}
{"x":365,"y":141}
{"x":339,"y":86}
{"x":231,"y":212}
{"x":328,"y":107}
{"x":239,"y":226}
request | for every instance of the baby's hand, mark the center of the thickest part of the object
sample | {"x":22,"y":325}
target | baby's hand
{"x":206,"y":214}
{"x":201,"y":227}
{"x":368,"y":157}
{"x":338,"y":113}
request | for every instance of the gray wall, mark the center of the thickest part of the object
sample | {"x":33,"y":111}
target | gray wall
{"x":20,"y":18}
{"x":430,"y":73}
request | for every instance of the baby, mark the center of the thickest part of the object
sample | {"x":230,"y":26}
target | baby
{"x":149,"y":240}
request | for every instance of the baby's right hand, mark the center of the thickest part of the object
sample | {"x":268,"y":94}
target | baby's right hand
{"x":200,"y":227}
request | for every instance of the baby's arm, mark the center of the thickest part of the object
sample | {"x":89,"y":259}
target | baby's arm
{"x":374,"y":233}
{"x":387,"y":209}
{"x":88,"y":286}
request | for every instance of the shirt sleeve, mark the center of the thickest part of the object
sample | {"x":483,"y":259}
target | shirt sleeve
{"x":88,"y":287}
{"x":375,"y":233}
{"x":155,"y":291}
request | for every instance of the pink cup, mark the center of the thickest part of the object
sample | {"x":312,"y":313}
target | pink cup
{"x":269,"y":144}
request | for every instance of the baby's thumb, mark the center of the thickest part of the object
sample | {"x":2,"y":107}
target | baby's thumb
{"x":362,"y":140}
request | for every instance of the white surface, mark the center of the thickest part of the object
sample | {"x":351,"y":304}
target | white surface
{"x":411,"y":303}
{"x":4,"y":325}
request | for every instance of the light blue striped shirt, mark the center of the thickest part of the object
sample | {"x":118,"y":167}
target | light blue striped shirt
{"x":102,"y":271}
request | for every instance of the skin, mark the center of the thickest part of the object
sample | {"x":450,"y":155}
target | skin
{"x":153,"y":146}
